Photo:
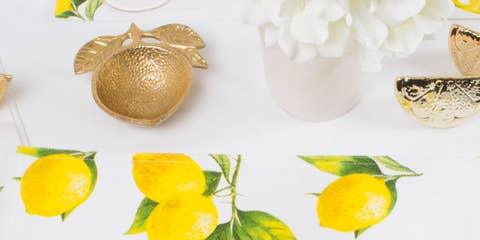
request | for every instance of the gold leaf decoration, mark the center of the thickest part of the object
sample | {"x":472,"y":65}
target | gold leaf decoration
{"x":178,"y":35}
{"x":194,"y":56}
{"x":184,"y":39}
{"x":92,"y":53}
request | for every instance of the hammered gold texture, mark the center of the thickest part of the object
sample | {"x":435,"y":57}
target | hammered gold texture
{"x":464,"y":47}
{"x":144,"y":83}
{"x":439,"y":102}
{"x":4,"y":82}
{"x":139,"y":82}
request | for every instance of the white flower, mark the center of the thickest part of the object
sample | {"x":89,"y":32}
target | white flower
{"x":371,"y":29}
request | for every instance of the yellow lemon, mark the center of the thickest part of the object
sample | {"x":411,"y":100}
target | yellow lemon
{"x":63,"y":6}
{"x":161,"y":176}
{"x":55,"y":184}
{"x":184,"y":217}
{"x":354,"y":202}
{"x":470,"y":6}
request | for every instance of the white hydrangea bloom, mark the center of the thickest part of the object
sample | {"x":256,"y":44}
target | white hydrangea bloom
{"x":373,"y":29}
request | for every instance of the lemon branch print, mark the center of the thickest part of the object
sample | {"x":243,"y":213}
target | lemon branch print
{"x":178,"y":203}
{"x":58,"y":182}
{"x":233,"y":188}
{"x":70,"y":8}
{"x":362,"y":196}
{"x":245,"y":225}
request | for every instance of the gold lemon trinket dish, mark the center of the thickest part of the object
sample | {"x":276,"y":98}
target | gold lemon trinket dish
{"x":445,"y":102}
{"x":4,"y":82}
{"x":142,"y":77}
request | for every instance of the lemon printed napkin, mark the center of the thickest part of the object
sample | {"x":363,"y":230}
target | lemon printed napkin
{"x":83,"y":9}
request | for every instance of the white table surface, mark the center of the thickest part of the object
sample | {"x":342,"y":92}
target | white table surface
{"x":228,"y":110}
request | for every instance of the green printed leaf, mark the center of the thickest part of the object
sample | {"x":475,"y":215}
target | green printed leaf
{"x":1,"y":188}
{"x":260,"y":225}
{"x":91,"y":8}
{"x":18,"y":179}
{"x":360,"y":232}
{"x":67,"y":14}
{"x":43,"y":152}
{"x":391,"y":164}
{"x":77,"y":3}
{"x":392,"y":187}
{"x":89,"y":159}
{"x":222,"y":232}
{"x":139,"y":224}
{"x":344,"y":165}
{"x":66,"y":214}
{"x":213,"y":180}
{"x":224,"y":162}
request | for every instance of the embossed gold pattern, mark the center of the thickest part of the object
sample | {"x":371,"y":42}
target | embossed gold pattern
{"x":439,"y":102}
{"x":4,"y":82}
{"x":143,"y":82}
{"x":446,"y":102}
{"x":464,"y":47}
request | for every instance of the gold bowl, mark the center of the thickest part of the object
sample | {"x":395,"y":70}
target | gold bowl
{"x":142,"y":82}
{"x":4,"y":82}
{"x":439,"y":102}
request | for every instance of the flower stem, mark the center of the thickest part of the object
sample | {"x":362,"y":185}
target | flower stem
{"x":234,"y":193}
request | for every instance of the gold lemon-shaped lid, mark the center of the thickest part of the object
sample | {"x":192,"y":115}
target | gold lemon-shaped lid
{"x":142,"y":82}
{"x":439,"y":102}
{"x":464,"y":45}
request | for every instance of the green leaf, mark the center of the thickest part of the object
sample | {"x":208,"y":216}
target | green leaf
{"x":18,"y":179}
{"x":139,"y":224}
{"x":213,"y":180}
{"x":360,"y":232}
{"x":77,"y":3}
{"x":224,"y":162}
{"x":391,"y":164}
{"x":89,"y":159}
{"x":66,"y":214}
{"x":1,"y":188}
{"x":222,"y":232}
{"x":344,"y":165}
{"x":91,"y":8}
{"x":392,"y":187}
{"x":67,"y":14}
{"x":260,"y":225}
{"x":43,"y":152}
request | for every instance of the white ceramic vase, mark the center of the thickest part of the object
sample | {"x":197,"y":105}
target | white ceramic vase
{"x":319,"y":90}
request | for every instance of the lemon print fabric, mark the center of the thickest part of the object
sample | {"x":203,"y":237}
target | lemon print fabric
{"x":472,"y":6}
{"x":57,"y":182}
{"x":362,"y":195}
{"x":72,"y":8}
{"x":160,"y":176}
{"x":185,"y":216}
{"x":364,"y":201}
{"x":179,"y":201}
